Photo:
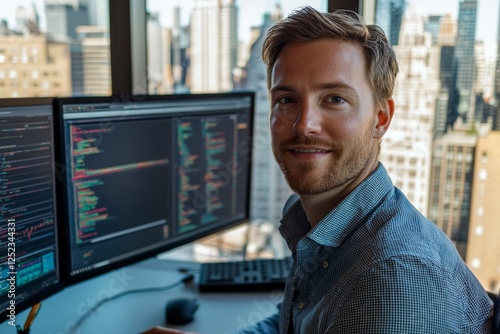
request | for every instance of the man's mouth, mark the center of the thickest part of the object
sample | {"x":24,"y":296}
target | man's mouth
{"x":301,"y":150}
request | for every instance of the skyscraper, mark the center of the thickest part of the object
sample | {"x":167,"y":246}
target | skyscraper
{"x":451,"y":184}
{"x":214,"y":45}
{"x":388,"y":15}
{"x":98,"y":12}
{"x":446,"y":40}
{"x":63,"y":17}
{"x":483,"y":246}
{"x":96,"y":60}
{"x":158,"y":57}
{"x":464,"y":57}
{"x":179,"y":55}
{"x":432,"y":25}
{"x":27,"y":20}
{"x":407,"y":146}
{"x":496,"y":85}
{"x":269,"y":188}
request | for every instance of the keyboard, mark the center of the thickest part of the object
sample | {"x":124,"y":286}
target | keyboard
{"x":245,"y":276}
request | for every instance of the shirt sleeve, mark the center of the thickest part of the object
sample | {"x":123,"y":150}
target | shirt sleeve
{"x":269,"y":325}
{"x":409,"y":295}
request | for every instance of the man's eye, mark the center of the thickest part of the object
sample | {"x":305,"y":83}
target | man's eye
{"x":286,"y":99}
{"x":336,"y":99}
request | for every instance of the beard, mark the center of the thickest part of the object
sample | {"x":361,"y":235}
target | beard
{"x":343,"y":163}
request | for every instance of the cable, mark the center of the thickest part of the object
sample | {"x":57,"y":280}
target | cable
{"x":80,"y":321}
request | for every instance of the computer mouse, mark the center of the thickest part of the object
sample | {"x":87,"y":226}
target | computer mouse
{"x":180,"y":311}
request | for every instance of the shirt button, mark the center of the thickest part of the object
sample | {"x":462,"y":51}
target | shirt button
{"x":301,"y":305}
{"x":325,"y":264}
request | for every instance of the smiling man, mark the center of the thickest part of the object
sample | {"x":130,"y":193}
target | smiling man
{"x":325,"y":124}
{"x":366,"y":261}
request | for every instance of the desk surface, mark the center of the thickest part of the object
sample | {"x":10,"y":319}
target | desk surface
{"x":219,"y":313}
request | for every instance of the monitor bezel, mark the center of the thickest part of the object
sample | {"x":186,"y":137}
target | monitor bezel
{"x":61,"y":158}
{"x":61,"y":284}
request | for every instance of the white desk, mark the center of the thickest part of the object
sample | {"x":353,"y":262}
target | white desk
{"x":218,"y":313}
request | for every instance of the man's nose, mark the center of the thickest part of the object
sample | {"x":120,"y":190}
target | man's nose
{"x":308,"y":120}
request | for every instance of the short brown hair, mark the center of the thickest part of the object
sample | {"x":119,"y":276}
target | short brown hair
{"x":308,"y":24}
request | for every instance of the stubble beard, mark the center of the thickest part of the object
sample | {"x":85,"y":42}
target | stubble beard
{"x":344,"y":164}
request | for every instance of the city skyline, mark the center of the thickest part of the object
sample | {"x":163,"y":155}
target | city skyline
{"x":487,"y":23}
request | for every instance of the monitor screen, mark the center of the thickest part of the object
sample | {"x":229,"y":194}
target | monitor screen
{"x":29,"y":264}
{"x":148,"y":173}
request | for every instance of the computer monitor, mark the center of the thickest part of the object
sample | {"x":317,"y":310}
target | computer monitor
{"x":29,"y":264}
{"x":144,"y":174}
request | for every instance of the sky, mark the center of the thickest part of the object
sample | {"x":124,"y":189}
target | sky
{"x":251,"y":12}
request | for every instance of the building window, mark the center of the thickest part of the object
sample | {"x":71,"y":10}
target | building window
{"x":480,"y":211}
{"x":475,"y":263}
{"x":484,"y":157}
{"x":479,"y":230}
{"x":46,"y":36}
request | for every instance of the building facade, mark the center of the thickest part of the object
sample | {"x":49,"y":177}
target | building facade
{"x":407,"y":146}
{"x":32,"y":66}
{"x":464,"y":57}
{"x":214,"y":45}
{"x":451,"y":184}
{"x":484,"y":230}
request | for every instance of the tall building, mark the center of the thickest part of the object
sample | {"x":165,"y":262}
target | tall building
{"x":63,"y":17}
{"x":388,"y":15}
{"x":179,"y":56}
{"x":446,"y":109}
{"x":407,"y":146}
{"x":31,"y":66}
{"x":451,"y":183}
{"x":484,"y":232}
{"x":96,"y":60}
{"x":4,"y":28}
{"x":214,"y":45}
{"x":269,"y":188}
{"x":158,"y":57}
{"x":496,"y":85}
{"x":98,"y":13}
{"x":432,"y":25}
{"x":485,"y":69}
{"x":464,"y":57}
{"x":77,"y":72}
{"x":27,"y":20}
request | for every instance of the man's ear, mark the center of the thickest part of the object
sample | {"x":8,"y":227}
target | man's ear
{"x":383,"y":118}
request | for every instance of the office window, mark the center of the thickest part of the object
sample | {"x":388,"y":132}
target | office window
{"x":448,"y":51}
{"x":70,"y":37}
{"x":200,"y":46}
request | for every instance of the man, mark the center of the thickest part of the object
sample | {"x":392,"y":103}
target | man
{"x":366,"y":261}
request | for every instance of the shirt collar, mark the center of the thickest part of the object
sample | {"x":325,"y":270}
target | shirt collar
{"x":344,"y":218}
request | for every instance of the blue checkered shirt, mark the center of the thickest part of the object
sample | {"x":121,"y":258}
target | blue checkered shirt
{"x":374,"y":264}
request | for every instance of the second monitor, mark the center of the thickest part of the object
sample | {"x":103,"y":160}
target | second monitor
{"x":146,"y":174}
